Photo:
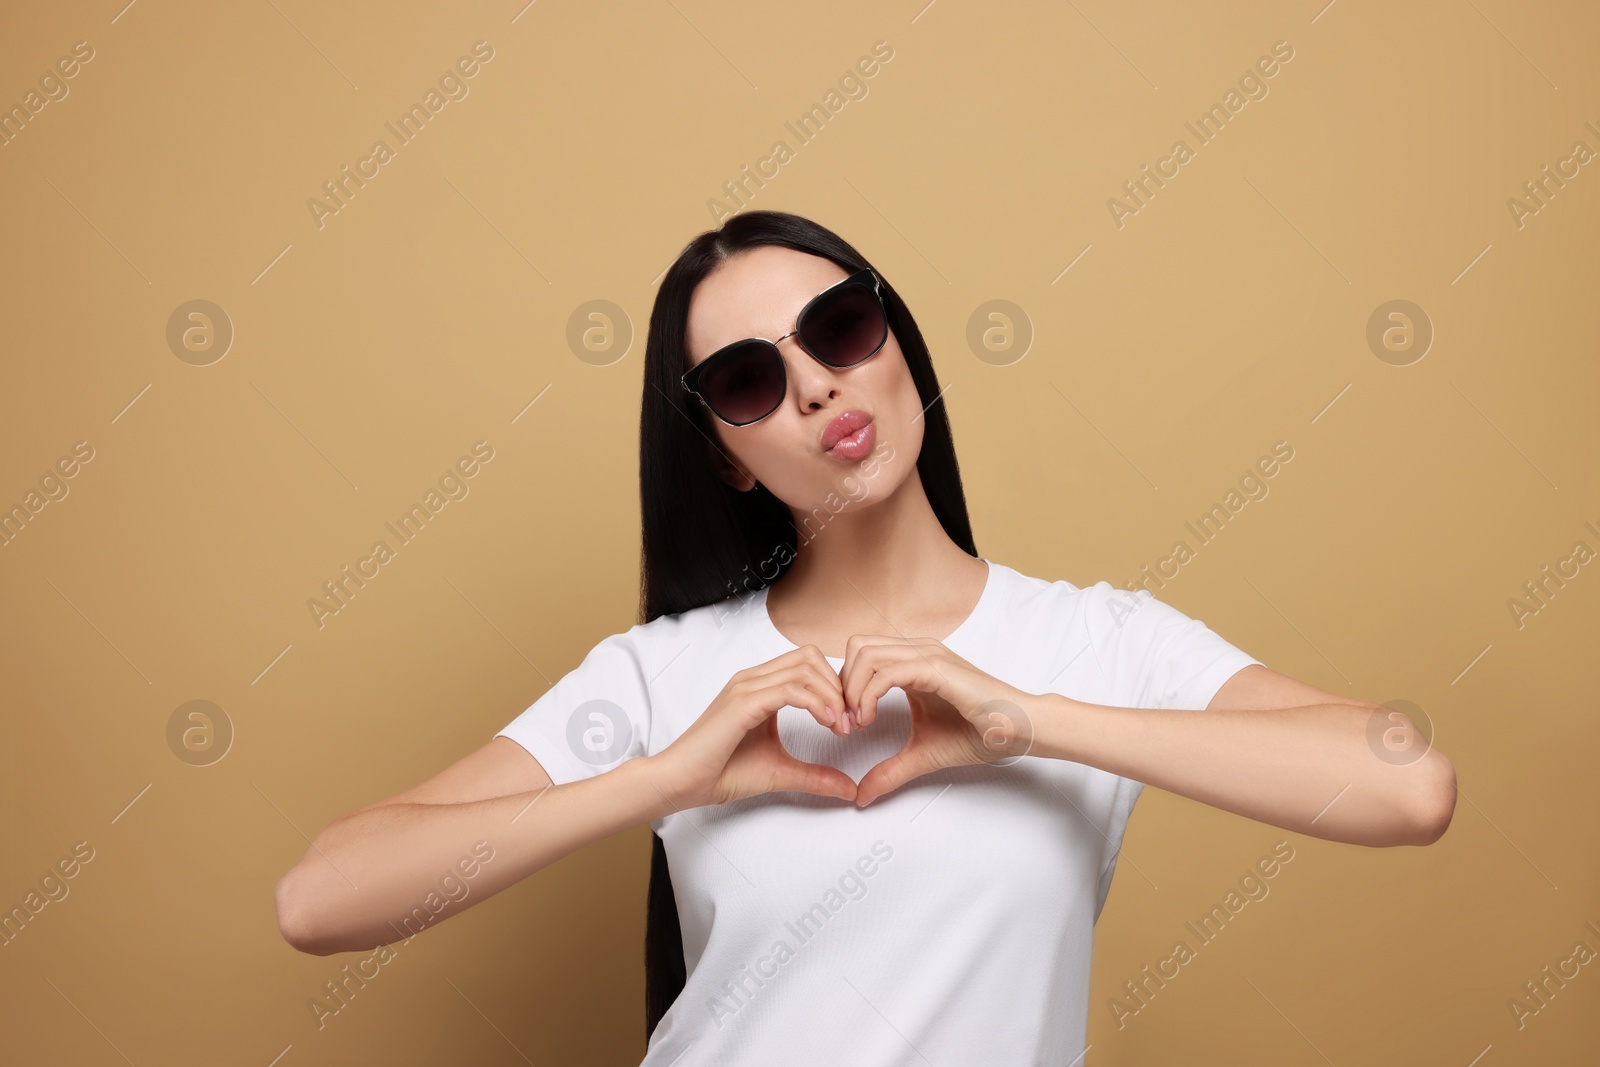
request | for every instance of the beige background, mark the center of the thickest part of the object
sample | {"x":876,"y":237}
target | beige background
{"x":1228,"y":314}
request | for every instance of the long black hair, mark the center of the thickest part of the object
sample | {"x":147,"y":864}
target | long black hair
{"x":703,"y":540}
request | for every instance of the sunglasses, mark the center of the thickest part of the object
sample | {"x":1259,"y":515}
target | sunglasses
{"x":841,"y":326}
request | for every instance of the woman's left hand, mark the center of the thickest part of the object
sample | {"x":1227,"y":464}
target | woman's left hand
{"x":960,"y":716}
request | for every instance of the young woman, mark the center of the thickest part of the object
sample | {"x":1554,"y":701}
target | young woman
{"x":888,"y":777}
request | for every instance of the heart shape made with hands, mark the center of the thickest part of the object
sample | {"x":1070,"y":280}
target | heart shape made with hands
{"x":960,"y":716}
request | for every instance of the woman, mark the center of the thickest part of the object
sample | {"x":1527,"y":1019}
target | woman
{"x":888,"y":777}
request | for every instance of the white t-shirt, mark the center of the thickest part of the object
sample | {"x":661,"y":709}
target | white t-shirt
{"x":950,"y":921}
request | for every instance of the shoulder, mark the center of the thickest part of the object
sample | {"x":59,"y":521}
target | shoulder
{"x":1115,"y":622}
{"x":658,"y":643}
{"x":1034,"y":599}
{"x":1150,"y":653}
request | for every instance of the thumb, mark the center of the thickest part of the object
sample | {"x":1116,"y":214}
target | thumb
{"x":894,"y":772}
{"x":814,"y":778}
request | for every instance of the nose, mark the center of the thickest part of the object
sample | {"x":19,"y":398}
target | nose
{"x":813,"y":382}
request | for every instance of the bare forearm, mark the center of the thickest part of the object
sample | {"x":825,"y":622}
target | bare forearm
{"x":1307,"y":769}
{"x":382,"y":874}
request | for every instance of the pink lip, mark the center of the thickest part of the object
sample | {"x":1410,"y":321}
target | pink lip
{"x":857,"y":445}
{"x":843,"y":427}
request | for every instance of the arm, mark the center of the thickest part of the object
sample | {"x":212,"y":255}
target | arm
{"x":1268,"y":747}
{"x":386,"y":870}
{"x":373,"y":869}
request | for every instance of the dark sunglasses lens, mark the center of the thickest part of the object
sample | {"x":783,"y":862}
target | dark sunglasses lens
{"x":846,"y":326}
{"x":745,"y":383}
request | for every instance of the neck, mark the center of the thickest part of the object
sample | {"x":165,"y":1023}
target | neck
{"x":892,"y":557}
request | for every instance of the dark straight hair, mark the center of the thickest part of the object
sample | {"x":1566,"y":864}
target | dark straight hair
{"x":703,"y":540}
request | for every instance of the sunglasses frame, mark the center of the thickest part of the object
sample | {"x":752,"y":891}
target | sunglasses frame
{"x":866,"y":276}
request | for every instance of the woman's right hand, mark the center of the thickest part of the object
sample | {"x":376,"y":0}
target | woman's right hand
{"x":732,"y":750}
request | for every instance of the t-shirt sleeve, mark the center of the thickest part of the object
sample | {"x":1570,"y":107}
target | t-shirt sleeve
{"x":593,"y":718}
{"x":1158,"y":656}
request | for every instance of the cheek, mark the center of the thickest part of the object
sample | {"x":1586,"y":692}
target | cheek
{"x":901,"y":428}
{"x":906,"y":403}
{"x":748,"y":449}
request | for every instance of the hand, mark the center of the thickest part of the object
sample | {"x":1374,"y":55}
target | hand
{"x":732,"y":751}
{"x":960,"y":716}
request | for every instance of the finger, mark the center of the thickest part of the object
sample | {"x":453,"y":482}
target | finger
{"x":806,"y":659}
{"x":859,"y":652}
{"x":866,"y":654}
{"x":823,"y":682}
{"x":796,"y":693}
{"x":813,"y":778}
{"x":891,"y":774}
{"x":905,"y":668}
{"x":881,"y":681}
{"x":813,"y":670}
{"x":820,"y":677}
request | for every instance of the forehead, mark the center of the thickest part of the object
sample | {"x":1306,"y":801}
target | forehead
{"x":756,"y":293}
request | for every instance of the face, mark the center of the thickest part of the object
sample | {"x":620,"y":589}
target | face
{"x":758,"y":293}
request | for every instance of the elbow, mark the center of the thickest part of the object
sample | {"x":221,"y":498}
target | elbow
{"x":294,"y":922}
{"x":1435,"y":804}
